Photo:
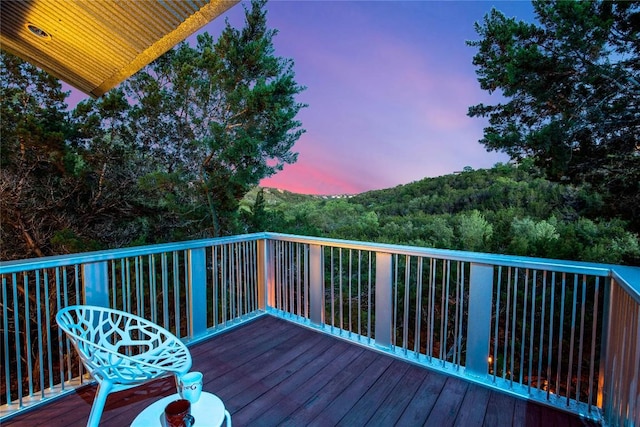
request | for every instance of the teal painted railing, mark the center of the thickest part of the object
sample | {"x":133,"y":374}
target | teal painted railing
{"x":565,"y":334}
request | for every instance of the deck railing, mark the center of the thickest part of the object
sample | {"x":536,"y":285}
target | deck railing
{"x":565,"y":334}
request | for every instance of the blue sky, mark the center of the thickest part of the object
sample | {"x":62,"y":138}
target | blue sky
{"x":388,"y":88}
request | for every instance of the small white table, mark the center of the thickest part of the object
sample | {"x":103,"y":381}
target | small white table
{"x":208,"y":411}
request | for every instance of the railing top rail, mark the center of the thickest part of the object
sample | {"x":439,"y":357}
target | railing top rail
{"x":549,"y":264}
{"x":8,"y":267}
{"x":628,"y":277}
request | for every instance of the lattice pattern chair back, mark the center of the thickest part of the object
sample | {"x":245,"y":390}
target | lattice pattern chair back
{"x":121,"y":350}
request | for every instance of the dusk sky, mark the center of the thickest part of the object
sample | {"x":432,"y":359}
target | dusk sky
{"x":388,"y":84}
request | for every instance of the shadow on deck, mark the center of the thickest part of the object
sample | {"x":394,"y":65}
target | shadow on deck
{"x":273,"y":372}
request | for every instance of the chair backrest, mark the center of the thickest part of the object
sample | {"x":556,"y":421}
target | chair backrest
{"x":121,"y":347}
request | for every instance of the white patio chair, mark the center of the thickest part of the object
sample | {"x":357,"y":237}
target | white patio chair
{"x":121,"y":350}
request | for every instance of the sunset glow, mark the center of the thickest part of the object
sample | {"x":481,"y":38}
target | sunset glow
{"x":388,"y":88}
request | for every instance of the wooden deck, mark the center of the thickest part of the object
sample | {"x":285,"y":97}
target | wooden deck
{"x":272,"y":372}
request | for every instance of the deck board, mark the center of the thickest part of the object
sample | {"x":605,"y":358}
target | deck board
{"x":270,"y":372}
{"x":447,"y":406}
{"x":391,"y":409}
{"x":423,"y":400}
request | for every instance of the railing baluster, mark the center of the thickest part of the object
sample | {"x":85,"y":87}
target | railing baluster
{"x":497,"y":323}
{"x":432,"y":302}
{"x":514,"y":316}
{"x":140,"y":285}
{"x":215,"y":285}
{"x":456,"y":331}
{"x":123,"y":284}
{"x":593,"y":342}
{"x":507,"y":319}
{"x":153,"y":299}
{"x":581,"y":336}
{"x":359,"y":292}
{"x":27,"y":332}
{"x":112,"y":278}
{"x":572,"y":339}
{"x":395,"y":298}
{"x":60,"y":336}
{"x":40,"y":336}
{"x":445,"y":317}
{"x":462,"y":293}
{"x":560,"y":332}
{"x":523,"y":337}
{"x":340,"y":296}
{"x":350,"y":291}
{"x":176,"y":293}
{"x":551,"y":311}
{"x":129,"y":305}
{"x":442,"y":343}
{"x":542,"y":318}
{"x":66,"y":303}
{"x":418,"y":319}
{"x":369,"y":309}
{"x":532,"y":328}
{"x":16,"y":320}
{"x":47,"y":319}
{"x":405,"y":305}
{"x":290,"y":276}
{"x":307,"y":280}
{"x":299,"y":309}
{"x":5,"y":335}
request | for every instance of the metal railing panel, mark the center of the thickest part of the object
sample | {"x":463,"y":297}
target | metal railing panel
{"x":545,"y":335}
{"x":162,"y":283}
{"x":36,"y":358}
{"x":562,"y":333}
{"x":621,"y":391}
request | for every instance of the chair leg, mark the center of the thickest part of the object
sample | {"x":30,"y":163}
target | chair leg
{"x":227,"y":415}
{"x":99,"y":401}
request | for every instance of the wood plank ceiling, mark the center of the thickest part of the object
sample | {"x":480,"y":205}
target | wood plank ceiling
{"x":94,"y":45}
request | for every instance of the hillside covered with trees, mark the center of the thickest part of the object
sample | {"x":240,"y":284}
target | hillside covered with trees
{"x":508,"y":209}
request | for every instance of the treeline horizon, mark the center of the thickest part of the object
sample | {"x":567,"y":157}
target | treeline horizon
{"x":508,"y":209}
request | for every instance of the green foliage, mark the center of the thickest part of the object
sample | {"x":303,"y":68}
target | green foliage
{"x":222,"y":114}
{"x":474,"y":232}
{"x":167,"y":156}
{"x":34,"y":181}
{"x":569,"y":85}
{"x":530,"y":237}
{"x":507,"y":209}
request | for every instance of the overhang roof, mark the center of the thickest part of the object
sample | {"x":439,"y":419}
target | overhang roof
{"x":95,"y":44}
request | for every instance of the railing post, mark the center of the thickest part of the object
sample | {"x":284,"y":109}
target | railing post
{"x":197,"y":291}
{"x":479,"y":323}
{"x":95,"y":280}
{"x":384,"y":300}
{"x":316,"y":285}
{"x":263,"y":273}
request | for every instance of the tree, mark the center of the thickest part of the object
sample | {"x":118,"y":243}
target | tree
{"x":221,"y":114}
{"x":474,"y":232}
{"x":33,"y":160}
{"x":67,"y":182}
{"x":571,"y":89}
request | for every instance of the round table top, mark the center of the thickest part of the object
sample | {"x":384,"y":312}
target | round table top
{"x":208,"y":411}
